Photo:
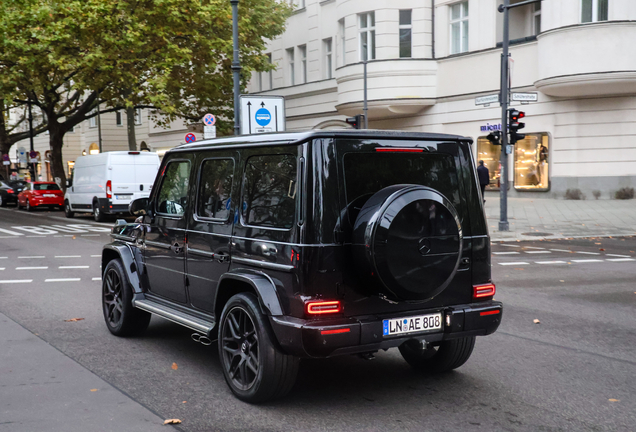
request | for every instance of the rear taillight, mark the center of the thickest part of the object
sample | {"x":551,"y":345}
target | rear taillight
{"x":9,"y":190}
{"x":323,"y":307}
{"x":109,"y":189}
{"x":483,"y":291}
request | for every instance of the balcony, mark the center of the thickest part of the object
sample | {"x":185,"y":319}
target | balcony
{"x":587,"y":60}
{"x":394,"y":87}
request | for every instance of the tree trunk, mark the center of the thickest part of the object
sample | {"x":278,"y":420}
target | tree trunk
{"x":56,"y":141}
{"x":130,"y":120}
{"x":5,"y":141}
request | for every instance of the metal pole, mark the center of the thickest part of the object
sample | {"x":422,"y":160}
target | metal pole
{"x":503,"y":190}
{"x":364,"y":108}
{"x":31,"y":140}
{"x":236,"y":68}
{"x":99,"y":125}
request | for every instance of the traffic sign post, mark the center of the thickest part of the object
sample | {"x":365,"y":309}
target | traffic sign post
{"x":190,"y":138}
{"x":261,"y":114}
{"x":209,"y":119}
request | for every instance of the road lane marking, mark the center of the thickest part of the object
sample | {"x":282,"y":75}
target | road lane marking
{"x":586,"y":260}
{"x":4,"y":257}
{"x":587,"y":253}
{"x":507,"y":245}
{"x":550,"y":262}
{"x":561,"y":250}
{"x":533,"y":247}
{"x":97,"y":279}
{"x":35,"y":230}
{"x":30,"y":257}
{"x":32,"y":268}
{"x":2,"y":268}
{"x":89,"y":235}
{"x":620,"y":256}
{"x":68,"y":256}
{"x":96,"y":256}
{"x":13,"y":233}
{"x":537,"y":252}
{"x":36,"y":236}
{"x":620,"y":259}
{"x":513,"y":263}
{"x":63,"y":280}
{"x":505,"y":253}
{"x":15,"y":281}
{"x":73,"y":267}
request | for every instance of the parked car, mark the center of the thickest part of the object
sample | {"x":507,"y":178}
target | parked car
{"x":8,"y":195}
{"x":106,"y":183}
{"x":309,"y":245}
{"x":38,"y":194}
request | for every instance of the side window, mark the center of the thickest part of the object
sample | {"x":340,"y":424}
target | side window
{"x":215,"y":188}
{"x":269,"y":191}
{"x":173,"y":195}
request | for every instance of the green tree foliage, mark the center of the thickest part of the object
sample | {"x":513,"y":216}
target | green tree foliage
{"x":172,"y":55}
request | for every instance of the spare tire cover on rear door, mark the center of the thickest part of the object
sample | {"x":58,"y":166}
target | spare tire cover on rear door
{"x":407,"y":242}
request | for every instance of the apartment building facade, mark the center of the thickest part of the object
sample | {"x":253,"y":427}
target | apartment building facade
{"x":429,"y":60}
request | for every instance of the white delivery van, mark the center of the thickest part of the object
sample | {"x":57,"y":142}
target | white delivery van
{"x":106,"y":183}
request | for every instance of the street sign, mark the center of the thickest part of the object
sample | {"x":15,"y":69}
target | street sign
{"x":487,"y":100}
{"x":260,"y":114}
{"x":524,"y":97}
{"x":6,"y":160}
{"x":34,"y":157}
{"x":190,"y":138}
{"x":209,"y":119}
{"x":209,"y":132}
{"x":22,"y":155}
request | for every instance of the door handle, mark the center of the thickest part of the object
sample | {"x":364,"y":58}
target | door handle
{"x":222,"y":257}
{"x":176,"y":248}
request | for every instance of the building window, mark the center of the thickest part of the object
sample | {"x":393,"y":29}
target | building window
{"x":118,"y":119}
{"x":270,"y":76}
{"x":459,"y":27}
{"x":138,"y":117}
{"x":367,"y":35}
{"x":92,"y":122}
{"x":341,"y":35}
{"x":406,"y":33}
{"x":266,"y":76}
{"x":490,"y":154}
{"x":594,"y":10}
{"x":326,"y":43}
{"x":290,"y":62}
{"x":302,"y":50}
{"x":536,"y":19}
{"x":532,"y":162}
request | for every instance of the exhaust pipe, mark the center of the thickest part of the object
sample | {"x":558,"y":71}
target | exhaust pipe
{"x":203,"y":340}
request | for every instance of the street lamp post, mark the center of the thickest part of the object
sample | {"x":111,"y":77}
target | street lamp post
{"x":32,"y":165}
{"x":236,"y":67}
{"x":364,"y":108}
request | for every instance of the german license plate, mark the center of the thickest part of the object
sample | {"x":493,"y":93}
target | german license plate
{"x":49,"y":195}
{"x":122,"y":197}
{"x":414,"y":324}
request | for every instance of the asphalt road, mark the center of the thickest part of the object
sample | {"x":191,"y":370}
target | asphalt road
{"x":574,"y":370}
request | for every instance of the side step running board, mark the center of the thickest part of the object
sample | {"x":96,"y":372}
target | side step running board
{"x":174,"y":315}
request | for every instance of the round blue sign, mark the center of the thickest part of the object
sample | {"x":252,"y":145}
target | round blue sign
{"x":263,"y":117}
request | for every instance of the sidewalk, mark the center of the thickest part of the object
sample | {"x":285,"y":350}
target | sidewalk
{"x":41,"y":389}
{"x":535,"y":219}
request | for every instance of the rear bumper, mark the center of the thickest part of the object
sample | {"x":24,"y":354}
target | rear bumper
{"x":57,"y":201}
{"x":107,"y":207}
{"x":338,"y":336}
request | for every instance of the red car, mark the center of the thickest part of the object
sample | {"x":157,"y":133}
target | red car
{"x":38,"y":194}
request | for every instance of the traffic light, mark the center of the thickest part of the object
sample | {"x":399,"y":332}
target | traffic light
{"x":494,"y":137}
{"x":356,"y":121}
{"x":514,"y":125}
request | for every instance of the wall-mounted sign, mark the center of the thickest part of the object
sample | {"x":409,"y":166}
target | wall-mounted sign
{"x":487,"y":100}
{"x":490,"y":128}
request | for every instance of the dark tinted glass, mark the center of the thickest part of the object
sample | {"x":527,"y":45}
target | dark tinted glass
{"x":405,"y":43}
{"x":46,"y":186}
{"x":269,"y":191}
{"x":173,"y":195}
{"x":367,"y":173}
{"x":215,"y":188}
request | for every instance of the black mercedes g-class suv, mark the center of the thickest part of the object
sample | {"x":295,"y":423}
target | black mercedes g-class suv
{"x":296,"y":245}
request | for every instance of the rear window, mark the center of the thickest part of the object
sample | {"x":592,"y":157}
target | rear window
{"x":46,"y":186}
{"x":367,"y":173}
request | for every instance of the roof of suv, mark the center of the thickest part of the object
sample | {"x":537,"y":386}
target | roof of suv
{"x":297,"y":137}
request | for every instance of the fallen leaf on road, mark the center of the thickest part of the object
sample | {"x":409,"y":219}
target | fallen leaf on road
{"x":601,"y":249}
{"x":174,"y":366}
{"x":93,"y":390}
{"x":172,"y":421}
{"x":73,"y":319}
{"x":73,"y":237}
{"x":596,"y":243}
{"x":185,"y":401}
{"x":536,"y":321}
{"x":561,"y":281}
{"x":614,"y":400}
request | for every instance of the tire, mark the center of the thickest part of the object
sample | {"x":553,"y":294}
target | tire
{"x":122,"y":319}
{"x":98,"y":215}
{"x":28,"y":206}
{"x":447,"y":356}
{"x":67,"y":210}
{"x":3,"y":202}
{"x":244,"y":335}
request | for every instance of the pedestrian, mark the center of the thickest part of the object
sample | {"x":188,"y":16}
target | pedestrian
{"x":484,"y":177}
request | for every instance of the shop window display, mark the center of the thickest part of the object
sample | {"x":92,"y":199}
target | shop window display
{"x":491,"y":155}
{"x":532,"y":162}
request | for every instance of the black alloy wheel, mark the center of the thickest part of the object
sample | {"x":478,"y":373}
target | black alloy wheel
{"x":240,"y":348}
{"x":122,"y":319}
{"x":67,"y":210}
{"x":255,"y":368}
{"x":98,"y":215}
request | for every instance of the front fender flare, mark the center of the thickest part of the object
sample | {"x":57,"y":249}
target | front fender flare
{"x":262,"y":284}
{"x":131,"y":264}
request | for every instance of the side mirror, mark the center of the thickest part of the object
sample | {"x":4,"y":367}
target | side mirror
{"x":138,"y":207}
